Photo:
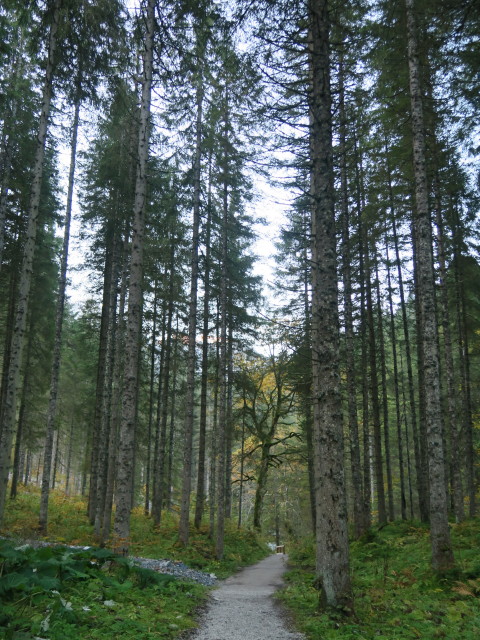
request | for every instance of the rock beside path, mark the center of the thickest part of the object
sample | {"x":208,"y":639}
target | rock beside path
{"x":177,"y":569}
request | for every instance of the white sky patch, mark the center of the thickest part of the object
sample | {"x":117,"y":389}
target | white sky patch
{"x":270,"y":205}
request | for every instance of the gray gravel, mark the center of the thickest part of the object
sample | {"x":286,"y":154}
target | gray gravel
{"x":242,"y":608}
{"x":177,"y":569}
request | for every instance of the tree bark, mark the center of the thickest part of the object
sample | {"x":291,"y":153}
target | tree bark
{"x":442,"y":554}
{"x":125,"y":467}
{"x":222,"y":367}
{"x":396,"y":374}
{"x":200,"y":499}
{"x":383,"y":377}
{"x":10,"y":408}
{"x":57,"y":348}
{"x":357,"y":483}
{"x":332,"y":534}
{"x":151,"y":395}
{"x":116,"y":401}
{"x":453,"y":430}
{"x":161,"y":471}
{"x":192,"y":332}
{"x":377,"y":433}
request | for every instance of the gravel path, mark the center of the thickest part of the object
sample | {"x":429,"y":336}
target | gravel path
{"x":242,"y":608}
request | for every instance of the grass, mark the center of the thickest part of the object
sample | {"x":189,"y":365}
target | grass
{"x":58,"y":593}
{"x":68,"y":524}
{"x":396,"y":593}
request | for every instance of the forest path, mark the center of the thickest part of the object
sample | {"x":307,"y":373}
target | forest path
{"x":242,"y":608}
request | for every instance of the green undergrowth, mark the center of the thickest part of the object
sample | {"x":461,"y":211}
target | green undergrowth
{"x":57,"y":592}
{"x":396,"y":594}
{"x":68,"y":524}
{"x":60,"y":593}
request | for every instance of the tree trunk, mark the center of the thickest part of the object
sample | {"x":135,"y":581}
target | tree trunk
{"x":116,"y":402}
{"x":62,"y":286}
{"x":200,"y":499}
{"x":125,"y":466}
{"x":68,"y":471}
{"x":10,"y":408}
{"x":398,"y":412}
{"x":453,"y":422}
{"x":165,"y":394}
{"x":151,"y":395}
{"x":22,"y":421}
{"x":420,"y":476}
{"x":171,"y":434}
{"x":192,"y":332}
{"x":100,"y":391}
{"x":464,"y":359}
{"x":383,"y":377}
{"x":212,"y":489}
{"x":358,"y":510}
{"x":377,"y":434}
{"x":332,"y":534}
{"x":242,"y":464}
{"x":222,"y":373}
{"x":106,"y":413}
{"x":442,"y":554}
{"x":229,"y":422}
{"x":261,"y":487}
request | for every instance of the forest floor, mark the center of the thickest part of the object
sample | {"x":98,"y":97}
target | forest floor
{"x":396,"y":593}
{"x":66,"y":588}
{"x":242,"y":607}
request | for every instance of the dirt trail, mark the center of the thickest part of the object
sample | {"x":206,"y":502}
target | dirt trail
{"x":242,"y":607}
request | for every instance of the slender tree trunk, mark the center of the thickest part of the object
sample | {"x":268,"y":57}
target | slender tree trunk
{"x":10,"y":408}
{"x":358,"y":508}
{"x":229,"y":421}
{"x":223,"y":373}
{"x":420,"y":476}
{"x":442,"y":554}
{"x":125,"y":467}
{"x":165,"y":393}
{"x":464,"y":359}
{"x":367,"y":473}
{"x":171,"y":434}
{"x":101,"y":387}
{"x":62,"y":287}
{"x":453,"y":422}
{"x":68,"y":471}
{"x":157,"y":460}
{"x":151,"y":403}
{"x":308,"y":389}
{"x":377,"y":434}
{"x":398,"y":412}
{"x":332,"y":534}
{"x":212,"y":490}
{"x":200,"y":500}
{"x":383,"y":377}
{"x":106,"y":413}
{"x":116,"y":402}
{"x":192,"y":331}
{"x":422,"y":416}
{"x":22,"y":419}
{"x":242,"y":463}
{"x":56,"y":459}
